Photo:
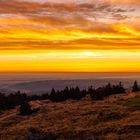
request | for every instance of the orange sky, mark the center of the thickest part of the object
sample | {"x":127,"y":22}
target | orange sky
{"x":70,"y":36}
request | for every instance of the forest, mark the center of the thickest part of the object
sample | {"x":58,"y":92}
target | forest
{"x":21,"y":99}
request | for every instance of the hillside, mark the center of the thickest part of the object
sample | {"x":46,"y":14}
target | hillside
{"x":115,"y":118}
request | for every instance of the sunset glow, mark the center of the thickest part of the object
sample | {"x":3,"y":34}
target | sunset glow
{"x":69,"y":36}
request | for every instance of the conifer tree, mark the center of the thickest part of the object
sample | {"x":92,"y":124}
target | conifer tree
{"x":135,"y":87}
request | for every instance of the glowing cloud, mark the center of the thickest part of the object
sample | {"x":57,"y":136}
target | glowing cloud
{"x":84,"y":34}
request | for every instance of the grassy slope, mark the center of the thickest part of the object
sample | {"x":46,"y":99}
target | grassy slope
{"x":132,"y":102}
{"x":117,"y":117}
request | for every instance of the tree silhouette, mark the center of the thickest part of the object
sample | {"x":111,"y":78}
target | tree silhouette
{"x":135,"y":87}
{"x":101,"y":92}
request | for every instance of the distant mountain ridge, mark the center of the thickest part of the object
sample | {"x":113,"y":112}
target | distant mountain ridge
{"x":43,"y":86}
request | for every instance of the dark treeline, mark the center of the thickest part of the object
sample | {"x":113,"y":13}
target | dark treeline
{"x":72,"y":93}
{"x":12,"y":100}
{"x":101,"y":92}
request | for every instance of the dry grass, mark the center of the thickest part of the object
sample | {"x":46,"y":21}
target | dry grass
{"x":75,"y":120}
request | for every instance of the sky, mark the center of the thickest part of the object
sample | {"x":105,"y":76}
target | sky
{"x":69,"y":36}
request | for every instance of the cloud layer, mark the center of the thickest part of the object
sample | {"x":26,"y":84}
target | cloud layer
{"x":43,"y":24}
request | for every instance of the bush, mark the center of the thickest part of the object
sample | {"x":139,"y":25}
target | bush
{"x":25,"y":109}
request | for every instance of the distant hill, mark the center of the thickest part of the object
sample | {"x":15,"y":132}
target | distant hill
{"x":43,"y":86}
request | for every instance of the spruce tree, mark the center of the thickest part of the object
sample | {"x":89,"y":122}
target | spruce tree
{"x":135,"y":87}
